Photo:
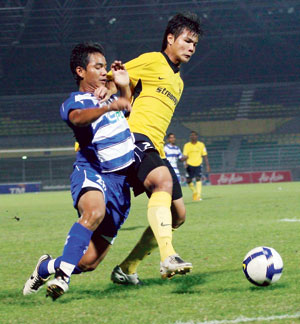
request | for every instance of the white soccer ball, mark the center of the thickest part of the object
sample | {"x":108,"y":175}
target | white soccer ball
{"x":262,"y":266}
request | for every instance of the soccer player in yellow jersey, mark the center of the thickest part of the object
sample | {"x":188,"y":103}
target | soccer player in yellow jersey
{"x":195,"y":152}
{"x":157,"y":87}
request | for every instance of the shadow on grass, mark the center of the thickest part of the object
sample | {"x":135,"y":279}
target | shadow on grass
{"x":276,"y":286}
{"x":181,"y":284}
{"x":131,"y":228}
{"x":15,"y":297}
{"x":188,"y":284}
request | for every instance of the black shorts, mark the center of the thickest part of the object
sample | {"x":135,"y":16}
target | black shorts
{"x":147,"y":159}
{"x":194,"y":172}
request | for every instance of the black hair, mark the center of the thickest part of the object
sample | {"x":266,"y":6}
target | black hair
{"x":193,"y":132}
{"x":80,"y":56}
{"x":178,"y":23}
{"x":170,"y":134}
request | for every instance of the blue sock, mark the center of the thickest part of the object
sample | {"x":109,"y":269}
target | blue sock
{"x":76,"y":270}
{"x":76,"y":245}
{"x":44,"y":270}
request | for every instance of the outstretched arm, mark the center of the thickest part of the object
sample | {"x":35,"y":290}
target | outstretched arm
{"x":121,"y":79}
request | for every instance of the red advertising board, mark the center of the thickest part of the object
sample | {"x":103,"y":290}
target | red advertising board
{"x":249,"y":177}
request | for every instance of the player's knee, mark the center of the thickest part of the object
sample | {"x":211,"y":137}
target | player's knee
{"x":166,"y":185}
{"x":92,"y":218}
{"x":159,"y":179}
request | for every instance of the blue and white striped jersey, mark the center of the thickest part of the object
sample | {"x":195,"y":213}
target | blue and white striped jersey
{"x":106,"y":144}
{"x":173,"y":153}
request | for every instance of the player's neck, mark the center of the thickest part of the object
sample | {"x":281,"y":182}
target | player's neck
{"x":86,"y":88}
{"x":172,"y":57}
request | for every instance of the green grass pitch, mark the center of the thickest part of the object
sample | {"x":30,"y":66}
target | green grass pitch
{"x":219,"y":231}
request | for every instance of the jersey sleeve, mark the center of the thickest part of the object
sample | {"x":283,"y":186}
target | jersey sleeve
{"x":75,"y":102}
{"x":135,"y":67}
{"x":165,"y":149}
{"x":204,"y":151}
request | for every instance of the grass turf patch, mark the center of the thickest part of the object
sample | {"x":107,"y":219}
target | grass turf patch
{"x":219,"y":231}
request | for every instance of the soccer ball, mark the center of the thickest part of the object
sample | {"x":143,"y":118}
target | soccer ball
{"x":262,"y":266}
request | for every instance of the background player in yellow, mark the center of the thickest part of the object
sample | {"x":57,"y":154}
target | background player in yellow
{"x":157,"y":87}
{"x":195,"y":152}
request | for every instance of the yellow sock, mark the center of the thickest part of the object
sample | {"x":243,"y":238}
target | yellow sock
{"x":160,"y":220}
{"x":199,"y":188}
{"x":192,"y":187}
{"x":144,"y":247}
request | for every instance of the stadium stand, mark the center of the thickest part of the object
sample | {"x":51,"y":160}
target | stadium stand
{"x":32,"y":121}
{"x":254,"y":127}
{"x":233,"y":102}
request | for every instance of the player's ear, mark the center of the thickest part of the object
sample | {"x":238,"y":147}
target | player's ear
{"x":80,"y":71}
{"x":170,"y":39}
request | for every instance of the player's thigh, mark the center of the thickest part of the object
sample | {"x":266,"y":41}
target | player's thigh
{"x":159,"y":179}
{"x":178,"y":212}
{"x":191,"y":172}
{"x":176,"y":190}
{"x":87,"y":188}
{"x":91,"y":207}
{"x":152,"y":172}
{"x":198,"y":173}
{"x":91,"y":200}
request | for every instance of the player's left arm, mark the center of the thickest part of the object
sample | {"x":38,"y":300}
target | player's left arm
{"x":206,"y":163}
{"x":118,"y":79}
{"x":121,"y":79}
{"x":181,"y":157}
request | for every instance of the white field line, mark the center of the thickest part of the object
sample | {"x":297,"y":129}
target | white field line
{"x":243,"y":319}
{"x":289,"y":220}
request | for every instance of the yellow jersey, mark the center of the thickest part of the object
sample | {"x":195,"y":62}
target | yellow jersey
{"x":157,"y":90}
{"x":194,"y":152}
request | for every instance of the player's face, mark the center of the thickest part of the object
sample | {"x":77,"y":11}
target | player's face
{"x":194,"y":137}
{"x":95,"y":73}
{"x":183,"y":47}
{"x":172,"y":139}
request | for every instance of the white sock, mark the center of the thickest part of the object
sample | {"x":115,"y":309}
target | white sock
{"x":67,"y":268}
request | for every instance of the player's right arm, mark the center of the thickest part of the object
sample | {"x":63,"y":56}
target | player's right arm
{"x":121,"y":79}
{"x":134,"y":69}
{"x":84,"y":117}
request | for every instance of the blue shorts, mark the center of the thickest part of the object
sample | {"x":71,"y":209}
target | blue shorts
{"x":116,"y":192}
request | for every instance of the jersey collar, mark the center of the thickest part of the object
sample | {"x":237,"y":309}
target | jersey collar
{"x":173,"y":66}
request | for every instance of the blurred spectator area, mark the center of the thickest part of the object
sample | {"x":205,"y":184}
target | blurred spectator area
{"x":32,"y":121}
{"x":240,"y":101}
{"x":253,"y":127}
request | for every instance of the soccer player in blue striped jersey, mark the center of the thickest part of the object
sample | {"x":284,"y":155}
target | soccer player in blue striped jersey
{"x":99,"y":182}
{"x":173,"y":154}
